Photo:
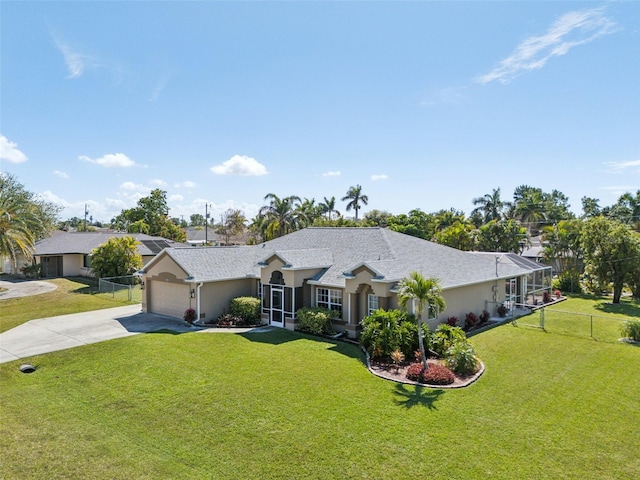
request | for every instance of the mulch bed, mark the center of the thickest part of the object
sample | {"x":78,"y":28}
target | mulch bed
{"x":398,"y":373}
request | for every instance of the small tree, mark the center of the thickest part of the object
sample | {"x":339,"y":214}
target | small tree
{"x":116,"y":258}
{"x":611,"y":250}
{"x":424,"y":293}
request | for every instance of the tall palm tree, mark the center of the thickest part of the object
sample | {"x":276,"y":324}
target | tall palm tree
{"x":308,"y":211}
{"x":329,"y":207}
{"x":530,"y":206}
{"x":423,"y":293}
{"x":355,"y":197}
{"x":24,"y":219}
{"x":17,"y":222}
{"x":281,"y":215}
{"x":490,"y":205}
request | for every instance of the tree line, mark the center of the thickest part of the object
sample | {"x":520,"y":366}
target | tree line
{"x":598,"y":249}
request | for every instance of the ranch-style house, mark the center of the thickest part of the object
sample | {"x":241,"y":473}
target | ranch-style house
{"x":352,"y":270}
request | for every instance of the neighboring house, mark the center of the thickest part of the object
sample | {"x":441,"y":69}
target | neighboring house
{"x":352,"y":270}
{"x":198,"y":236}
{"x":68,"y":254}
{"x":535,"y":250}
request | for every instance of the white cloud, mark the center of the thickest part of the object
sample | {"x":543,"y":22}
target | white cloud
{"x":132,"y":187}
{"x":74,"y":61}
{"x":570,"y":30}
{"x":77,"y":63}
{"x":618,"y":190}
{"x":111,"y":160}
{"x":240,"y":165}
{"x":60,"y":174}
{"x":624,"y":166}
{"x":379,"y":177}
{"x":176,"y":198}
{"x":185,"y":184}
{"x":335,"y":173}
{"x":157,"y":182}
{"x":9,"y":151}
{"x":50,"y":197}
{"x":116,"y":204}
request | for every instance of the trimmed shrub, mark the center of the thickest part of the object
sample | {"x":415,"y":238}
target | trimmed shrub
{"x":461,"y":358}
{"x":434,"y":375}
{"x":445,"y":336}
{"x":316,"y":320}
{"x":631,"y":329}
{"x":438,"y":375}
{"x":247,"y":308}
{"x":414,"y":372}
{"x":484,"y":317}
{"x":385,"y":331}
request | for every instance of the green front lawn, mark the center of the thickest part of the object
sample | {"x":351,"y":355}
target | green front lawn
{"x":283,"y":405}
{"x":73,"y":295}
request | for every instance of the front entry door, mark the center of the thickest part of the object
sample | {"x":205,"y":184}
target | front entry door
{"x":277,"y":302}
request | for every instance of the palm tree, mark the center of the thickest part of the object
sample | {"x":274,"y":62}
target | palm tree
{"x":530,"y":206}
{"x":423,"y":293}
{"x":490,"y":205}
{"x":308,"y":211}
{"x":281,"y":215}
{"x":329,"y":207}
{"x":354,"y":194}
{"x":24,"y":219}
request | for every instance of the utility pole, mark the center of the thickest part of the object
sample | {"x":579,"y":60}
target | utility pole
{"x":86,"y":212}
{"x":206,"y":223}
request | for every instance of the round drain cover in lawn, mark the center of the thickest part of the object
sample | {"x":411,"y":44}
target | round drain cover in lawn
{"x":27,"y":368}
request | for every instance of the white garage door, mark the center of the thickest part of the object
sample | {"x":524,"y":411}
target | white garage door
{"x":170,"y":299}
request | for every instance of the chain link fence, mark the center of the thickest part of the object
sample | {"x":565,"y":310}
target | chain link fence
{"x":127,"y":288}
{"x":563,"y":322}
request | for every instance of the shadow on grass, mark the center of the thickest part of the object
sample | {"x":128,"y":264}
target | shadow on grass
{"x":166,"y":331}
{"x":279,"y":336}
{"x":90,"y":285}
{"x":629,"y":309}
{"x":410,"y":396}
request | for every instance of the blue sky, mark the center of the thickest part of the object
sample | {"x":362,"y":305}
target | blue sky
{"x":425,"y":104}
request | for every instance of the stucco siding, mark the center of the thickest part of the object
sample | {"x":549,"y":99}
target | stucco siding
{"x":216,"y":296}
{"x":165,"y":264}
{"x":463,"y":300}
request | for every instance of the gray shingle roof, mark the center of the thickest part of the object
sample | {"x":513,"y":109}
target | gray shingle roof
{"x":393,"y":255}
{"x":84,"y":242}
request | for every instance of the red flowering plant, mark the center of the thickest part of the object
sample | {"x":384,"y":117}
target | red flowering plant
{"x":189,"y":315}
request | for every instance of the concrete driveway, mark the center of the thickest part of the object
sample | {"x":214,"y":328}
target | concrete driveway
{"x":46,"y":335}
{"x":24,"y":288}
{"x":66,"y":331}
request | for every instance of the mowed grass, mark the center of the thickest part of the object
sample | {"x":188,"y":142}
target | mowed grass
{"x":587,"y":316}
{"x":281,"y":405}
{"x":72,"y":295}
